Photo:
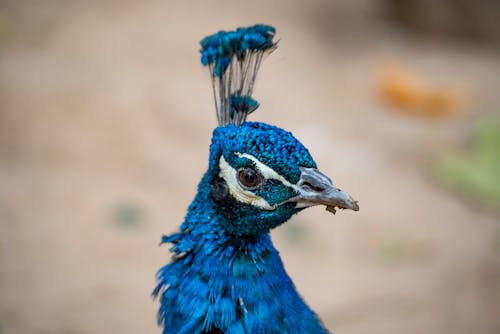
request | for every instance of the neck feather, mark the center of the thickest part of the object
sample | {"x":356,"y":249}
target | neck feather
{"x":217,"y":281}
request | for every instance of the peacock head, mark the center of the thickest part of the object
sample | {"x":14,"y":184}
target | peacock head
{"x":259,"y":175}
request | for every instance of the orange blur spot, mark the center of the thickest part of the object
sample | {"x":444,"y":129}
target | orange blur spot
{"x":405,"y":92}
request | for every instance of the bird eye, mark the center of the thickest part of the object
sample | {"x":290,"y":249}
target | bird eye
{"x":249,"y":178}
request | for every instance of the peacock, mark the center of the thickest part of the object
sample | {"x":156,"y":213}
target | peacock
{"x":225,"y":276}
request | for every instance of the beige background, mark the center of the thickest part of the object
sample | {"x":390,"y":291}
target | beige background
{"x":105,"y":108}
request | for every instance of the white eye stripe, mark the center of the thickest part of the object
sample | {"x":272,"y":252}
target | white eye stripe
{"x":228,"y":173}
{"x":267,"y":171}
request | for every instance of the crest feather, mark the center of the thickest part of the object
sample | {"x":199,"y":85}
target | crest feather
{"x":233,"y":59}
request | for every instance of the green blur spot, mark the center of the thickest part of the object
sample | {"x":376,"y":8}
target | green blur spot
{"x":295,"y":232}
{"x":5,"y":29}
{"x":392,"y":250}
{"x":475,"y":173}
{"x":128,"y":215}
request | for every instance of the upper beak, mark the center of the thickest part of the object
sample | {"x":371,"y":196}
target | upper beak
{"x":315,"y":188}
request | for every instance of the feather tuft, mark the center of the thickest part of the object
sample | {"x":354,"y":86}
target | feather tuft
{"x":233,"y":59}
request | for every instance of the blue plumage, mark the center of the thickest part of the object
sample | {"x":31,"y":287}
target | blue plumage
{"x":225,"y":276}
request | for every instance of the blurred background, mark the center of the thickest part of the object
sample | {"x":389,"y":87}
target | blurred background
{"x":105,"y":120}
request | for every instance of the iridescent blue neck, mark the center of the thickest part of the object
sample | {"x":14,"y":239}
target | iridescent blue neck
{"x":219,"y":281}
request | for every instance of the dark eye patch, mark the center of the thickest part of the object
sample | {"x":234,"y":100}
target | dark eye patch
{"x":219,"y":189}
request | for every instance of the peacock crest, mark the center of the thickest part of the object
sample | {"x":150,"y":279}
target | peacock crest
{"x":233,"y":59}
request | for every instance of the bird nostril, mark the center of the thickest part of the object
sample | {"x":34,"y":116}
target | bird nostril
{"x":309,"y":186}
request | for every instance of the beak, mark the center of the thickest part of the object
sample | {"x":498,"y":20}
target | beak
{"x":315,"y":188}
